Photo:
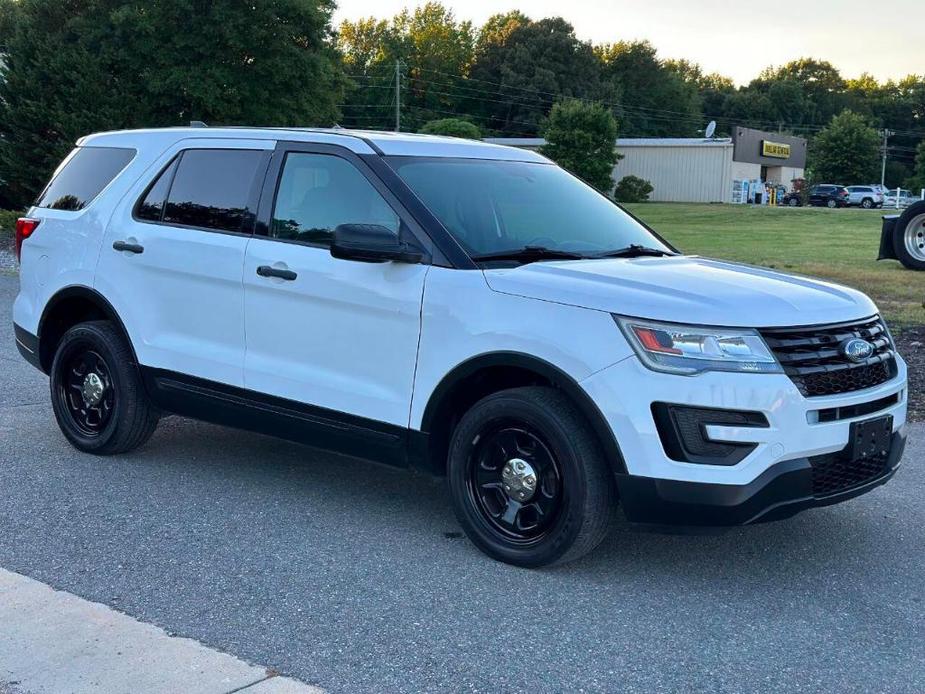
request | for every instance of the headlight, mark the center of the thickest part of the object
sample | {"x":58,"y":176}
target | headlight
{"x":690,"y":350}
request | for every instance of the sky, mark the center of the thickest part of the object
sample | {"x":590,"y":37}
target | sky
{"x":737,"y":39}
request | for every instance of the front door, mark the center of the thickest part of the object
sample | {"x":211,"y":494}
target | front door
{"x":338,"y":335}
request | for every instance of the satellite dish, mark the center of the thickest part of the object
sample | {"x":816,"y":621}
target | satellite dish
{"x":711,"y":128}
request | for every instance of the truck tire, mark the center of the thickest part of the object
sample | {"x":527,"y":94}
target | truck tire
{"x":909,"y":237}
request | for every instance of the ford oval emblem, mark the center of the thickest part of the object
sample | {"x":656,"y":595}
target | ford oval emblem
{"x":857,"y":350}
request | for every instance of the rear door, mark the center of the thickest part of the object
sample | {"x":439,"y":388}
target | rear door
{"x":173,"y":257}
{"x":339,"y":336}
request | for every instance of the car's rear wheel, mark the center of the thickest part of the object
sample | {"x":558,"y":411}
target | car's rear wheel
{"x":529,"y":483}
{"x":832,"y":204}
{"x":867,"y":203}
{"x":793,"y":202}
{"x":96,"y":391}
{"x":909,"y":237}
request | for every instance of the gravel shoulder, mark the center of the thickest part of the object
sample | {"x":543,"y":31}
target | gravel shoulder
{"x":911,"y":345}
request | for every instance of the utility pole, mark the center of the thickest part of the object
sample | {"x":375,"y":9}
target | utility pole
{"x":398,"y":96}
{"x":886,"y":135}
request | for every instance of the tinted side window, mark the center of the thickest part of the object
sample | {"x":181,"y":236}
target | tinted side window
{"x":317,"y":192}
{"x":151,"y":207}
{"x":211,"y":188}
{"x":81,"y":177}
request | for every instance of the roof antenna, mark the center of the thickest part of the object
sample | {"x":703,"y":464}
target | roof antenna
{"x":197,"y":124}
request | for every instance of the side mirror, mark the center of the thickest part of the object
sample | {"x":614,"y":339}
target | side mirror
{"x":372,"y":243}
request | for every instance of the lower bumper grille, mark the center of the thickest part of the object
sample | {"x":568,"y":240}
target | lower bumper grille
{"x":834,"y":473}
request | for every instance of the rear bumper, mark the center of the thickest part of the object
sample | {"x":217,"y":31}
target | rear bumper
{"x":28,"y":346}
{"x":779,"y":492}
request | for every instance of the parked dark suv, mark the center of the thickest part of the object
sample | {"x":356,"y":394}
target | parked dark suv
{"x":828,"y":195}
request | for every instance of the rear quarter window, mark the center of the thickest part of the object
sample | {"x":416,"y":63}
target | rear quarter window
{"x":82,"y":175}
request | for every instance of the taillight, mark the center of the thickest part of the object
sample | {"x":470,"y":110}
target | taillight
{"x":24,"y":228}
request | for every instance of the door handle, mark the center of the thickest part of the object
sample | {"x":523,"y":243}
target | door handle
{"x":129,"y":247}
{"x":268,"y":271}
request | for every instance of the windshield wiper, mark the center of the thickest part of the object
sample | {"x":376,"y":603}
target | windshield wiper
{"x":529,"y":254}
{"x":634,"y":250}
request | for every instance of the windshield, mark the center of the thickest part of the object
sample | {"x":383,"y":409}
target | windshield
{"x":493,"y":206}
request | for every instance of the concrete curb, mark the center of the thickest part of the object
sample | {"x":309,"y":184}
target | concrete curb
{"x":52,"y":642}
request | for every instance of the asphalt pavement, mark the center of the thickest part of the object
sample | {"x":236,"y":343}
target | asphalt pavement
{"x":355,"y":577}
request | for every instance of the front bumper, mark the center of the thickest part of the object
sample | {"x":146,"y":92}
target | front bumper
{"x":773,"y":480}
{"x":779,"y":492}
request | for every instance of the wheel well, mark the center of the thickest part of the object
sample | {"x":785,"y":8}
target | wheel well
{"x":466,"y":385}
{"x":64,"y":311}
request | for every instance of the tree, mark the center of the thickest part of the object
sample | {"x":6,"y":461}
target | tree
{"x":917,"y":180}
{"x":109,"y":64}
{"x":434,"y":50}
{"x":521,"y":67}
{"x":453,"y":127}
{"x":581,"y":137}
{"x":821,"y":85}
{"x":655,"y":98}
{"x":845,"y":151}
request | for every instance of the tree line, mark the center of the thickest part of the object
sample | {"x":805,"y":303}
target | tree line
{"x":69,"y":68}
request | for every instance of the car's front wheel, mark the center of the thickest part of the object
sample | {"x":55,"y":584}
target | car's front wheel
{"x":529,"y":483}
{"x":96,"y":391}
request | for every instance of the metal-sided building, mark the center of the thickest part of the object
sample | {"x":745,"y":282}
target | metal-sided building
{"x":683,"y":169}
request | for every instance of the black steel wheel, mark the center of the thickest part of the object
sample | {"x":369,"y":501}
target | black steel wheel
{"x":529,"y":484}
{"x":515,"y":482}
{"x":96,"y":391}
{"x":86,"y":389}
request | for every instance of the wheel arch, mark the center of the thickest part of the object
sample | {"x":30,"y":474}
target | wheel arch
{"x":68,"y":307}
{"x":491,"y":372}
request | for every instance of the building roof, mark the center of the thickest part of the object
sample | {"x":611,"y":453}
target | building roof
{"x":359,"y":141}
{"x":624,"y":141}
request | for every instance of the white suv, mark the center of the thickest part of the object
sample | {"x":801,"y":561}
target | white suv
{"x":457,"y":307}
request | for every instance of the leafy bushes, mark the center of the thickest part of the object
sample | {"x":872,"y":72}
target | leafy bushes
{"x":8,"y":222}
{"x":633,"y":189}
{"x":453,"y":127}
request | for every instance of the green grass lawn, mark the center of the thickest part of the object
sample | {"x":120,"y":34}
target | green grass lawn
{"x":837,"y":245}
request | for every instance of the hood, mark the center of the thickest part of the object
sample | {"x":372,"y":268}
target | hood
{"x":685,"y":289}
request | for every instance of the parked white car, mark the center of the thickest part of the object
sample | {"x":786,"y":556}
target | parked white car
{"x":864,"y":196}
{"x":458,"y":307}
{"x":904,"y":197}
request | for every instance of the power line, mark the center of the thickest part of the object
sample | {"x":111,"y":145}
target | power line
{"x":647,"y":111}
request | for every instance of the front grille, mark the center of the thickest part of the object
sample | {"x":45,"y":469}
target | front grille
{"x":813,"y":359}
{"x":834,"y":473}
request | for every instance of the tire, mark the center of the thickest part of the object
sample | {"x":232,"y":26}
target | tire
{"x":909,"y":237}
{"x":572,"y":483}
{"x":793,"y":202}
{"x":97,"y":394}
{"x":867,"y":203}
{"x":832,"y":204}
